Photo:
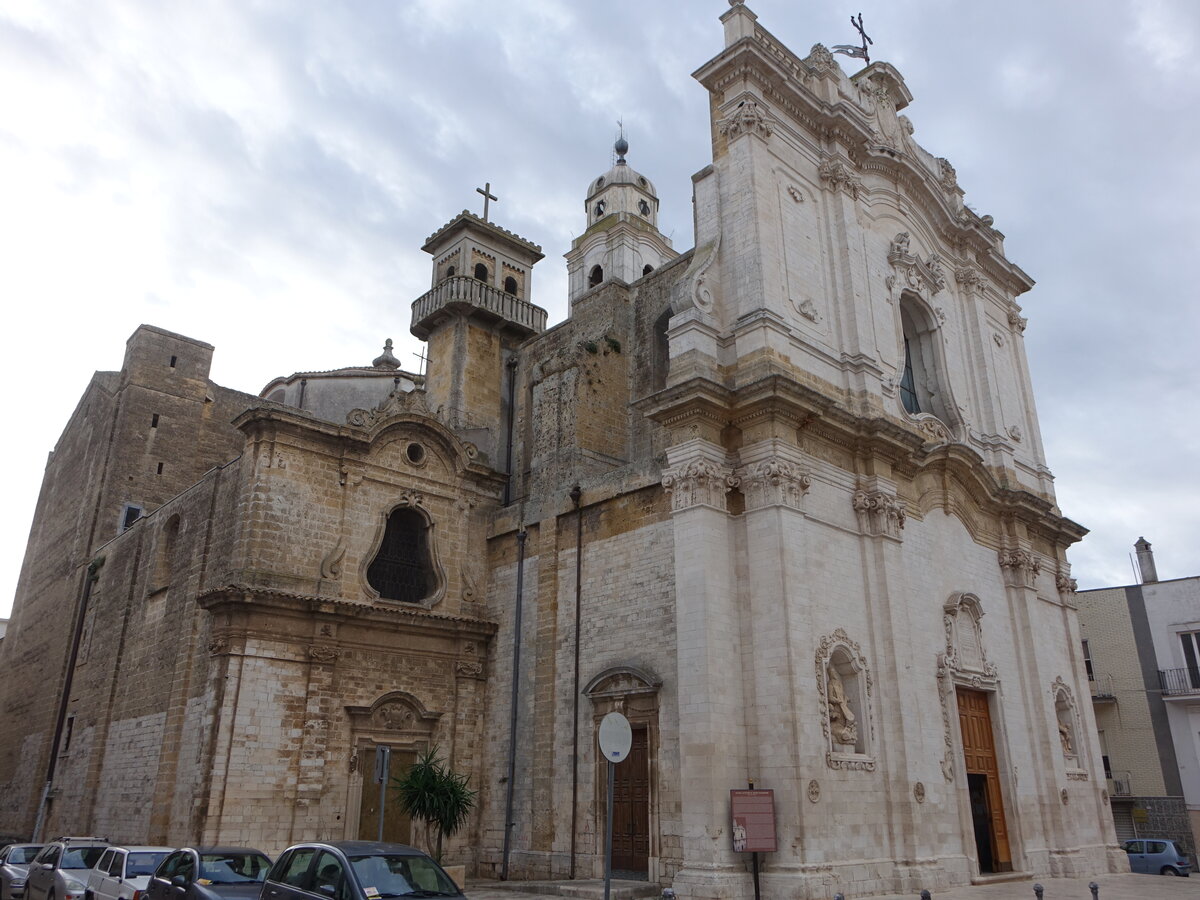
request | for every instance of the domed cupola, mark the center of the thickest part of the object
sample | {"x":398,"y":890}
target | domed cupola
{"x":622,"y":241}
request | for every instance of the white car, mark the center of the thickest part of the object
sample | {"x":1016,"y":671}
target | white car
{"x":14,"y":869}
{"x":122,"y":872}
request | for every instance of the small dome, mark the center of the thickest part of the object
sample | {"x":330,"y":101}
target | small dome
{"x":621,"y":173}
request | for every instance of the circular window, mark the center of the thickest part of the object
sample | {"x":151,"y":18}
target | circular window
{"x":415,"y":453}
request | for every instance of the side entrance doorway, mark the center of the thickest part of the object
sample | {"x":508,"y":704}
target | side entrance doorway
{"x":397,"y":828}
{"x":983,"y":782}
{"x":631,"y":810}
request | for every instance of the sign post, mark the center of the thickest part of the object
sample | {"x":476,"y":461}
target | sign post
{"x":616,"y":737}
{"x":753,"y":814}
{"x":383,"y":758}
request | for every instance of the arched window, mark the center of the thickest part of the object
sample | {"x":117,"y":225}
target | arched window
{"x":921,"y":390}
{"x":481,"y":272}
{"x":647,"y":269}
{"x":450,"y":272}
{"x":510,"y":285}
{"x":596,"y":276}
{"x":403,"y":568}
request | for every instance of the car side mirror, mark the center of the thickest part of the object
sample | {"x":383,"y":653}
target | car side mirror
{"x":179,"y":881}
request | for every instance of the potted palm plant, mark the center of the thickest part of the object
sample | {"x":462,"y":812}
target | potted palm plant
{"x":432,"y":793}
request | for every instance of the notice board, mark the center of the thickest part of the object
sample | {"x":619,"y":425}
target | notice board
{"x":753,"y":814}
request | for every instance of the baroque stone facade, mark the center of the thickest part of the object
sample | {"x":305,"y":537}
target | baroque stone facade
{"x":780,"y":499}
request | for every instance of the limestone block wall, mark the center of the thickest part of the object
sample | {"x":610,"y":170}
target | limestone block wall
{"x":627,"y":619}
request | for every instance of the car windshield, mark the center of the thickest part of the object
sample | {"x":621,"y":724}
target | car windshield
{"x":143,"y":863}
{"x":21,"y":856}
{"x":233,"y":868}
{"x":385,"y":875}
{"x":81,"y":857}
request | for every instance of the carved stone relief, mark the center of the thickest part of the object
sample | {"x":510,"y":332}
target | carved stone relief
{"x":321,"y":653}
{"x":699,"y":482}
{"x":844,"y":690}
{"x":879,"y":512}
{"x":839,"y":177}
{"x":773,"y":482}
{"x":963,"y":662}
{"x":748,"y":118}
{"x":924,"y":277}
{"x":814,"y":790}
{"x":1020,"y":567}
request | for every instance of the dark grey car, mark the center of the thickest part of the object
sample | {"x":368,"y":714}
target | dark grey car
{"x":209,"y":873}
{"x":14,"y":869}
{"x":60,"y":870}
{"x":356,"y":870}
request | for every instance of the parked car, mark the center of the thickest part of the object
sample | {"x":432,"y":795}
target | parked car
{"x":356,"y":870}
{"x":14,"y":869}
{"x":123,"y":872}
{"x":209,"y":873}
{"x":1157,"y":856}
{"x":59,"y":871}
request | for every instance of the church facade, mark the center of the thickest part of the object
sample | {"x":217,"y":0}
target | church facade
{"x":780,"y":499}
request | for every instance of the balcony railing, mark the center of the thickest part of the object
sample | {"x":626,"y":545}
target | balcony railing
{"x":1120,"y":784}
{"x":464,"y":293}
{"x":1102,"y":688}
{"x":1179,"y":681}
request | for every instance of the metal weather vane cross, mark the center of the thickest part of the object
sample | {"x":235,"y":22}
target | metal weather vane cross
{"x":486,"y":190}
{"x":850,"y":49}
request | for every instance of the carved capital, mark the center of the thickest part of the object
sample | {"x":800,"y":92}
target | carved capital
{"x":1065,"y":583}
{"x":774,"y":482}
{"x":218,"y":645}
{"x":1017,"y":321}
{"x":1020,"y":567}
{"x":839,"y":177}
{"x":879,"y":513}
{"x":968,"y":276}
{"x":748,"y":118}
{"x":699,"y":482}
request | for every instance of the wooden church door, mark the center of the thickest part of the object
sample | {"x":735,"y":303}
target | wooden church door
{"x":983,"y":781}
{"x":631,"y":808}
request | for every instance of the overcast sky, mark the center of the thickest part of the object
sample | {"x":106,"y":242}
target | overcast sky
{"x":261,"y":176}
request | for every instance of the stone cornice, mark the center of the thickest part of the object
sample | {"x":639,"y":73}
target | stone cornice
{"x":816,"y":415}
{"x":232,"y":598}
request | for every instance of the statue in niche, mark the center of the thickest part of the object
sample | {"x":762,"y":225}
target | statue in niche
{"x":1064,"y":735}
{"x":841,"y":718}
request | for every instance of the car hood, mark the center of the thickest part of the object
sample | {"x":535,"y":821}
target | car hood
{"x":138,"y":882}
{"x":14,"y":869}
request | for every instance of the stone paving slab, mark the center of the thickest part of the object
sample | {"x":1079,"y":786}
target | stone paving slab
{"x":583,"y":889}
{"x":1112,"y":887}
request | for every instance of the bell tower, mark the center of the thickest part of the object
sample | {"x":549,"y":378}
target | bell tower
{"x":622,"y":241}
{"x":473,"y":318}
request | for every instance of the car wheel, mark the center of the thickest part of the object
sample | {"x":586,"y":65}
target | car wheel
{"x":1167,"y":870}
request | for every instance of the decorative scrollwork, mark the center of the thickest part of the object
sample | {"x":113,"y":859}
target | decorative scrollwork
{"x":699,"y":482}
{"x":747,"y":118}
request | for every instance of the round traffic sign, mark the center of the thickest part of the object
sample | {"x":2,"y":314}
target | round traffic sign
{"x":616,"y":737}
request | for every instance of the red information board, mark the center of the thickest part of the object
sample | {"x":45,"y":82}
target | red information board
{"x":753,"y":814}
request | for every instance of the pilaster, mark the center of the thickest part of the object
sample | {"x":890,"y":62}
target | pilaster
{"x":712,"y":741}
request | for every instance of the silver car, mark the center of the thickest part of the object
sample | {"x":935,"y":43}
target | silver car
{"x":122,"y":872}
{"x":60,"y":870}
{"x":14,"y":869}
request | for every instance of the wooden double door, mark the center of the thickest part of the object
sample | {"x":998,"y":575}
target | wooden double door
{"x":631,"y":808}
{"x":983,"y":782}
{"x":397,"y":828}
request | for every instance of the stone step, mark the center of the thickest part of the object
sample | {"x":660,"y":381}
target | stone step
{"x":583,"y":888}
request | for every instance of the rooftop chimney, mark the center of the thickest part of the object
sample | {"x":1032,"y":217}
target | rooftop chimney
{"x":1145,"y":559}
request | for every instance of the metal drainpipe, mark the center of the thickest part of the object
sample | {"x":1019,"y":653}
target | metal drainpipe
{"x":512,"y":721}
{"x":303,"y":386}
{"x":512,"y":420}
{"x":576,"y":496}
{"x":92,"y":577}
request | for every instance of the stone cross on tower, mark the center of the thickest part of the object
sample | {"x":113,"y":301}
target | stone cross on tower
{"x":486,"y":190}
